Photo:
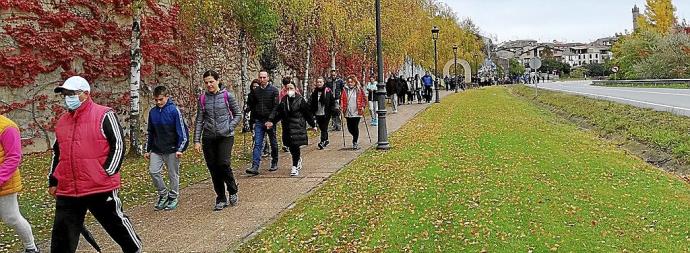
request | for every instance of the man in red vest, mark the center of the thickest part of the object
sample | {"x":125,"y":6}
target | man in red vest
{"x":84,"y":175}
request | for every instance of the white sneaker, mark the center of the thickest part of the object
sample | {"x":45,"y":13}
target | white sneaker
{"x":299,"y":164}
{"x":294,"y":171}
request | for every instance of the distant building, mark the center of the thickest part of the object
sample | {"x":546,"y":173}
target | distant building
{"x":583,"y":55}
{"x":604,"y":42}
{"x":518,"y":44}
{"x":574,"y":54}
{"x":540,"y":51}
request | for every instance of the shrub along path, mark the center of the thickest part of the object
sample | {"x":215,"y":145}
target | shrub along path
{"x":487,"y":171}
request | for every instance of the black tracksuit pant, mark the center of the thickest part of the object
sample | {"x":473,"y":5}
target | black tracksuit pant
{"x":217,"y":155}
{"x":295,"y":152}
{"x":353,"y":128}
{"x":322,"y":121}
{"x":106,"y":207}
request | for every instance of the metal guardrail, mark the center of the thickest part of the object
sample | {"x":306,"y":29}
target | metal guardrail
{"x":646,"y":81}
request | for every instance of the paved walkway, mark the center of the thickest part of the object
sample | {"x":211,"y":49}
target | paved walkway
{"x":194,"y":227}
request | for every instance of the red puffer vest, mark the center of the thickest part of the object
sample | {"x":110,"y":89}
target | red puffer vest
{"x":83,"y":152}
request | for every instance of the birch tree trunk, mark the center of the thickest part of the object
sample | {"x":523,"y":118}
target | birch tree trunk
{"x":307,"y":67}
{"x":136,"y":60}
{"x":244,"y":55}
{"x":332,"y":53}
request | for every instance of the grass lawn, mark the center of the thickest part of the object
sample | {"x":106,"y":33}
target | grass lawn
{"x":660,"y":130}
{"x":38,"y":207}
{"x":487,"y":171}
{"x":645,"y":85}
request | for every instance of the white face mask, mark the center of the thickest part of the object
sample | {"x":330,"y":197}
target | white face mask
{"x":291,"y":93}
{"x":72,"y":102}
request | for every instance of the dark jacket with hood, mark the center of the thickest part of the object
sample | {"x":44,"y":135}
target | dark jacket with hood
{"x":294,"y":112}
{"x":262,"y":102}
{"x":167,"y":132}
{"x":391,"y":88}
{"x":336,"y":85}
{"x":401,"y":86}
{"x":327,"y":99}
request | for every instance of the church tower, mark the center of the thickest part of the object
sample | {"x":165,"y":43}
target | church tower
{"x":635,"y":14}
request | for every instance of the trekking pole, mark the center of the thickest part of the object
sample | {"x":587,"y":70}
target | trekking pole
{"x":342,"y":130}
{"x":366,"y":126}
{"x":244,"y":141}
{"x":89,"y":238}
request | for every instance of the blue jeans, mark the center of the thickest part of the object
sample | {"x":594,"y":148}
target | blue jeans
{"x":259,"y":132}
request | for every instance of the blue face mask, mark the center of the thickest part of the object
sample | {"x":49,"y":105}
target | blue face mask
{"x":72,"y":102}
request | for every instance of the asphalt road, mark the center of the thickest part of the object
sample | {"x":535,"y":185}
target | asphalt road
{"x":676,"y":101}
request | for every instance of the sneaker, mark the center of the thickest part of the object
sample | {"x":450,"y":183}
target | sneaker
{"x":233,"y":199}
{"x":161,"y":203}
{"x":320,"y":145}
{"x":299,"y":164}
{"x":274,"y":166}
{"x":355,"y":146}
{"x":254,"y":170}
{"x":285,"y":149}
{"x":325,"y":143}
{"x":220,"y":205}
{"x":294,"y":171}
{"x":265,"y":154}
{"x":32,"y":250}
{"x":172,"y":204}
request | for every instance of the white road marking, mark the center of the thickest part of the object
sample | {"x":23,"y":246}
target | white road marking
{"x":625,"y":90}
{"x":620,"y":98}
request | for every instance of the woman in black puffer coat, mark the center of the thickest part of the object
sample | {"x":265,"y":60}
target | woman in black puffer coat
{"x":295,"y":113}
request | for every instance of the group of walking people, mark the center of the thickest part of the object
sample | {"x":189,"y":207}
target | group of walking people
{"x":89,"y":148}
{"x":403,"y":91}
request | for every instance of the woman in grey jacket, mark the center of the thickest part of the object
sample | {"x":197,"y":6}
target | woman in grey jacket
{"x":216,"y":117}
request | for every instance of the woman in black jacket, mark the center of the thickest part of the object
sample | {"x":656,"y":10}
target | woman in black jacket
{"x":322,"y":107}
{"x":294,"y":112}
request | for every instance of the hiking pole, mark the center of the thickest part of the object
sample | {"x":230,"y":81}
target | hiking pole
{"x":366,"y":126}
{"x":340,"y":115}
{"x":89,"y":238}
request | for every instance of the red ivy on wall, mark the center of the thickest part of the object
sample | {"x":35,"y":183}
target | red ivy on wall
{"x":82,"y":37}
{"x":347,"y":64}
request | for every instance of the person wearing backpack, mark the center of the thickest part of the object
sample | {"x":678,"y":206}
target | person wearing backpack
{"x":166,"y":141}
{"x":216,"y":117}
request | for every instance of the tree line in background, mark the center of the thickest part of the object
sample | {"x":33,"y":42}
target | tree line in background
{"x":42,"y":43}
{"x":658,"y":49}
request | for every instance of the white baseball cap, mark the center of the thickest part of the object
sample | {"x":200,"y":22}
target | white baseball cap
{"x":74,"y":83}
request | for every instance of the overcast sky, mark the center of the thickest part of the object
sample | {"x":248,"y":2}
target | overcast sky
{"x":547,"y":20}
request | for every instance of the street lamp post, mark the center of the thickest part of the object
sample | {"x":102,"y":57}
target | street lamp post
{"x":434,"y":36}
{"x":382,"y":143}
{"x":455,"y":67}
